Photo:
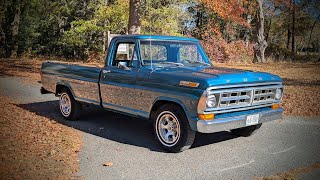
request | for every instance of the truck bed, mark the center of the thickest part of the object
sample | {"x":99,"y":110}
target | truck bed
{"x":82,"y":80}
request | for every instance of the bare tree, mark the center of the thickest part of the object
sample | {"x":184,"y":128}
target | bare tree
{"x":293,"y":46}
{"x":261,"y":43}
{"x":312,"y":28}
{"x":15,"y":29}
{"x":134,"y":17}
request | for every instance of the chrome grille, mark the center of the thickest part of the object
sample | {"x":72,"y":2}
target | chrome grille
{"x":264,"y":95}
{"x":235,"y":98}
{"x":238,"y":98}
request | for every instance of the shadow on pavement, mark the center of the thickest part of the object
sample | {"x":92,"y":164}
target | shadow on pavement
{"x":116,"y":127}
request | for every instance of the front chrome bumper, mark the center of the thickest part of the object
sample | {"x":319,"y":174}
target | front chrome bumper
{"x":234,"y":122}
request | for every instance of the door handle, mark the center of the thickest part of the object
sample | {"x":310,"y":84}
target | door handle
{"x":106,"y":71}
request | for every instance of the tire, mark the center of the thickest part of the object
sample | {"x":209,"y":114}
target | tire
{"x":246,"y":131}
{"x":69,"y":107}
{"x":172,"y":128}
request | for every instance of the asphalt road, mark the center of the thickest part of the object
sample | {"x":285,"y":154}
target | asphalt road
{"x":129,"y":144}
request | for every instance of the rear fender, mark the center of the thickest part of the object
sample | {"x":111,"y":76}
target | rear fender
{"x":60,"y":85}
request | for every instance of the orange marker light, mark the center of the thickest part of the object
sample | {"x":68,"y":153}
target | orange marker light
{"x":206,"y":116}
{"x":192,"y":84}
{"x":189,"y":84}
{"x":275,"y":106}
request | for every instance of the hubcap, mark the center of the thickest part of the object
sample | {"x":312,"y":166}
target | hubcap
{"x":168,"y":128}
{"x":65,"y":104}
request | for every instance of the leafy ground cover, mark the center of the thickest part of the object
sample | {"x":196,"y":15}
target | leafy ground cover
{"x":35,"y":147}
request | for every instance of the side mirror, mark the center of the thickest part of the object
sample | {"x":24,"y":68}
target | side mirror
{"x":123,"y":66}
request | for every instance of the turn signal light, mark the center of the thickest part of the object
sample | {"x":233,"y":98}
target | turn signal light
{"x":206,"y":116}
{"x":275,"y":106}
{"x":189,"y":84}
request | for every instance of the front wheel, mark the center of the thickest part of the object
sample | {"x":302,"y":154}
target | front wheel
{"x":69,"y":107}
{"x":172,"y":128}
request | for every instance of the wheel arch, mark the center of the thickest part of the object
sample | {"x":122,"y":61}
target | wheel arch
{"x":164,"y":100}
{"x":60,"y":86}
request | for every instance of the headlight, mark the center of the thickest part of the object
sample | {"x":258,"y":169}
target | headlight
{"x":211,"y":101}
{"x":278,"y":93}
{"x":207,"y":102}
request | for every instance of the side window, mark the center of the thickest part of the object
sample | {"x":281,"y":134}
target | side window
{"x":125,"y":53}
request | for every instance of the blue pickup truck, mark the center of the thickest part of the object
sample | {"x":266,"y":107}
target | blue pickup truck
{"x":171,"y":82}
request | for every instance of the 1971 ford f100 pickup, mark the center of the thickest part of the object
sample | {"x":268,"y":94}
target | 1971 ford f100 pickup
{"x":170,"y":81}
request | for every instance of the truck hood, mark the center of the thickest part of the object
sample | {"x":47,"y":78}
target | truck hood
{"x":210,"y":76}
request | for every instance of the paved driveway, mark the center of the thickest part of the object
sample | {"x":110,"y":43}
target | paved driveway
{"x":129,"y":144}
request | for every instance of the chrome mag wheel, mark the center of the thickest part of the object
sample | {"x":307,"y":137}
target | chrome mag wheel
{"x":168,"y":128}
{"x":65,"y":104}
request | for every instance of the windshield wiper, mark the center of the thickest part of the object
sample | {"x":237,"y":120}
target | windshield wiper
{"x":199,"y":62}
{"x":174,"y":63}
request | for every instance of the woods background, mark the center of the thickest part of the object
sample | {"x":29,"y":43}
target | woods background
{"x":232,"y":30}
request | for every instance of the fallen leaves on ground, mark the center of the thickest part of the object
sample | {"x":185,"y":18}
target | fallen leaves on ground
{"x":108,"y":164}
{"x":35,"y":147}
{"x":292,"y":174}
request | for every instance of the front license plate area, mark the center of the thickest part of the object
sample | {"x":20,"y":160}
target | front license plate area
{"x":252,"y":119}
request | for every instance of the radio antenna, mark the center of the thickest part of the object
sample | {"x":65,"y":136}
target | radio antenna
{"x":150,"y":52}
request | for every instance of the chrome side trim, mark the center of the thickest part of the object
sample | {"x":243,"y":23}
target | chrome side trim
{"x":223,"y":124}
{"x":88,"y":101}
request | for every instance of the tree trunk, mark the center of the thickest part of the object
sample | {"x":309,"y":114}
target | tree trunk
{"x":261,"y":44}
{"x":134,"y":17}
{"x":268,"y":30}
{"x":293,"y":46}
{"x":105,"y":38}
{"x":15,"y":29}
{"x":3,"y":38}
{"x":247,"y":31}
{"x":288,"y":37}
{"x":311,"y":31}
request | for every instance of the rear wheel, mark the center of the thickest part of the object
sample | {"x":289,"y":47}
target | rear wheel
{"x":246,"y":131}
{"x":69,"y":107}
{"x":172,"y":128}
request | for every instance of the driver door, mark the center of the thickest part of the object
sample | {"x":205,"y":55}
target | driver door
{"x":118,"y":78}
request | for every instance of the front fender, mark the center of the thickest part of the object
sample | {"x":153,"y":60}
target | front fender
{"x":189,"y":109}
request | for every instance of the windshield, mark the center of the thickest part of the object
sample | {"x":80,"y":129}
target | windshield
{"x":172,"y":53}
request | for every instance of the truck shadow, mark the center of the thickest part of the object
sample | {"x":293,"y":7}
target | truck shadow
{"x":116,"y":127}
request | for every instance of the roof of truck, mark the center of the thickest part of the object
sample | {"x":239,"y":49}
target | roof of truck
{"x":156,"y":37}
